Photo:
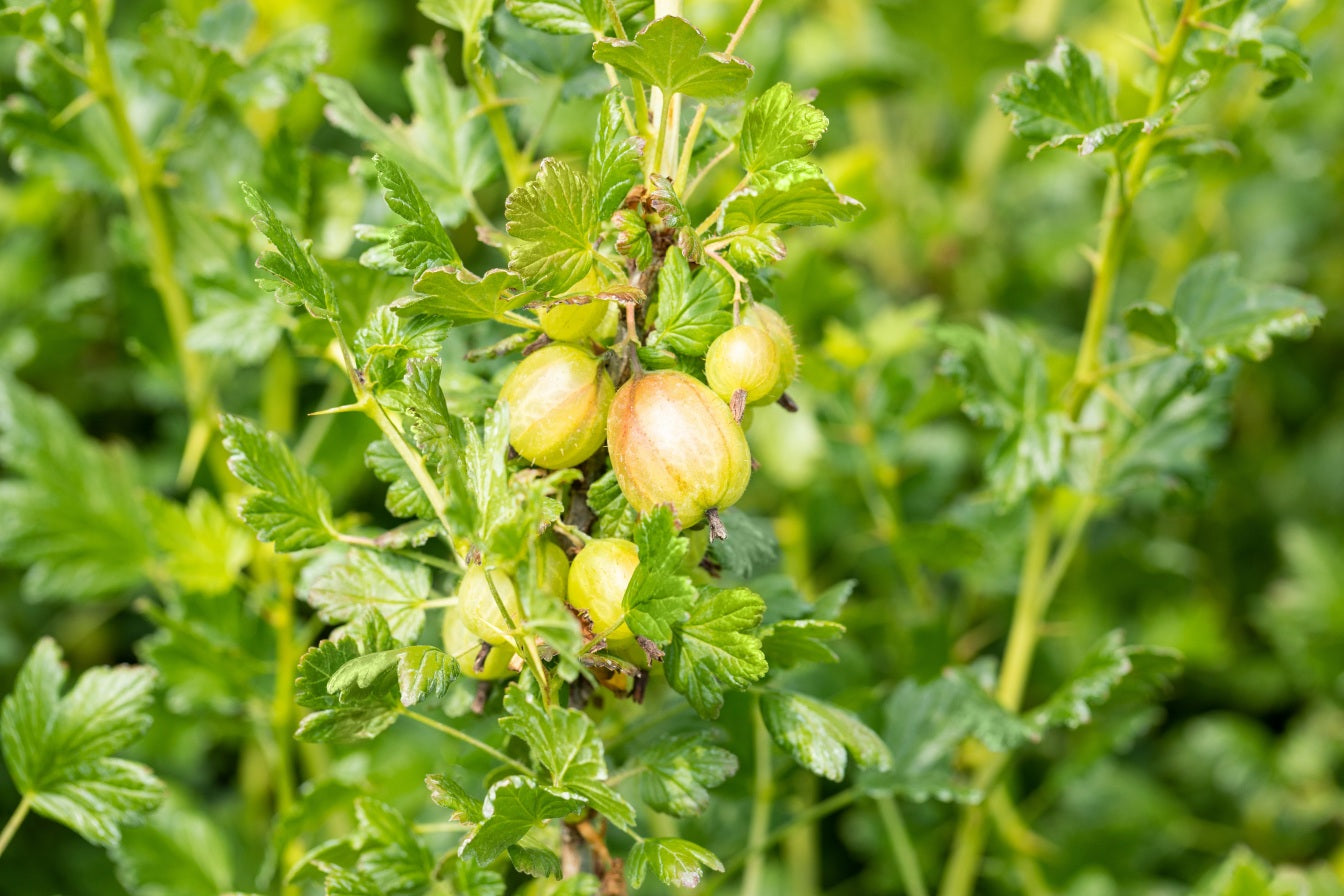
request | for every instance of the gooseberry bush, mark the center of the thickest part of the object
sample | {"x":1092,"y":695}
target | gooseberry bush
{"x":554,"y":615}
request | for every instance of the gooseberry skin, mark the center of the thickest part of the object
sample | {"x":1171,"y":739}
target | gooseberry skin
{"x":674,"y":442}
{"x":462,"y":643}
{"x":558,"y":399}
{"x":479,"y":610}
{"x":772,"y":322}
{"x":597,"y":581}
{"x":745,"y":358}
{"x":570,"y":323}
{"x":554,"y":570}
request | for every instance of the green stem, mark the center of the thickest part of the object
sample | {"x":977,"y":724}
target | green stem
{"x":762,"y":797}
{"x":902,"y":849}
{"x":467,"y":739}
{"x":16,"y":819}
{"x":483,"y":83}
{"x":1121,"y":190}
{"x":281,"y":619}
{"x":143,"y":198}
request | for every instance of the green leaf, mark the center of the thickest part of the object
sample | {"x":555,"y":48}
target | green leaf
{"x":690,"y":314}
{"x":927,"y":723}
{"x":668,"y":54}
{"x":292,"y":509}
{"x":1162,"y":443}
{"x":678,"y":772}
{"x":405,"y":498}
{"x":394,"y":586}
{"x":1101,"y":672}
{"x":449,"y":794}
{"x":665,"y":201}
{"x":390,"y":852}
{"x":715,"y":648}
{"x":513,"y":807}
{"x":179,"y":851}
{"x":1066,"y":99}
{"x":72,"y":513}
{"x":659,"y":594}
{"x":462,"y":297}
{"x":794,"y":641}
{"x":338,"y":719}
{"x":553,"y":218}
{"x":1001,"y":373}
{"x":818,"y":735}
{"x":465,"y":16}
{"x":213,"y":655}
{"x":57,"y":747}
{"x":1222,"y":315}
{"x":613,"y":159}
{"x":615,"y":517}
{"x":794,"y":194}
{"x":632,"y":236}
{"x":409,"y":674}
{"x":422,"y":242}
{"x":280,"y":69}
{"x":200,"y":546}
{"x":750,"y":546}
{"x":1302,"y":615}
{"x":296,"y":276}
{"x":444,"y":148}
{"x":565,"y":742}
{"x":572,"y":16}
{"x":777,"y":128}
{"x":1153,"y":322}
{"x":679,"y":863}
{"x":1242,"y":34}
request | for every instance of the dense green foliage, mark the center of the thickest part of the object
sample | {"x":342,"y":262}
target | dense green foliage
{"x":1038,"y":590}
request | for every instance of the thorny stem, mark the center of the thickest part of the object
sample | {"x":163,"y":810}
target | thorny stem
{"x":1038,"y":583}
{"x":143,"y":198}
{"x":466,"y":739}
{"x":718,"y":209}
{"x":763,"y":792}
{"x":1121,"y":190}
{"x":15,"y":819}
{"x":688,"y":149}
{"x":636,"y":87}
{"x":742,"y":27}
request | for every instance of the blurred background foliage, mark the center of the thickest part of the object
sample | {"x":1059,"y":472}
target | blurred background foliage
{"x":875,"y":480}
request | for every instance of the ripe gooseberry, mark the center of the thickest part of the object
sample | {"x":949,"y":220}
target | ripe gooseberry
{"x":672,"y":441}
{"x":558,"y":398}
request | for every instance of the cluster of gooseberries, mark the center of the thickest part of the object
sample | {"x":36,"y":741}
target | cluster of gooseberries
{"x":672,"y":441}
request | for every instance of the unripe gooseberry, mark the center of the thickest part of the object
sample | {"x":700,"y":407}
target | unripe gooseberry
{"x":570,"y":323}
{"x":462,"y":643}
{"x":772,"y":322}
{"x":480,"y":611}
{"x":558,"y":398}
{"x":597,"y":580}
{"x":672,"y":441}
{"x":554,"y":570}
{"x":742,"y":365}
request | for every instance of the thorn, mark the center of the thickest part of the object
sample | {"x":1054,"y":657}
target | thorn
{"x":481,"y":656}
{"x":716,"y":530}
{"x":738,"y":404}
{"x":787,"y":403}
